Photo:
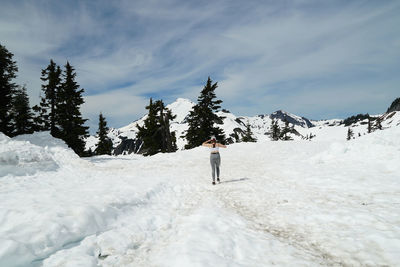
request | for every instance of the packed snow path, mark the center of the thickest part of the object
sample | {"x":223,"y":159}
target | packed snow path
{"x":279,"y":203}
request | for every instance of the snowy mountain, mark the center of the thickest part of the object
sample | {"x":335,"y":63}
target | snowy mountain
{"x":321,"y":203}
{"x":125,"y":142}
{"x":293,"y":119}
{"x":329,"y":202}
{"x":395,"y":106}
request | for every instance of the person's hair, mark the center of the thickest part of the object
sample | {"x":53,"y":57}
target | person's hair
{"x":214,"y":142}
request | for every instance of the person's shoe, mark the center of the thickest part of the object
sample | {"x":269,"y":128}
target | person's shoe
{"x":218,"y":180}
{"x":213,"y":183}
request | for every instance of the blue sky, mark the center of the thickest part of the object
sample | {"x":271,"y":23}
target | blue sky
{"x":318,"y":59}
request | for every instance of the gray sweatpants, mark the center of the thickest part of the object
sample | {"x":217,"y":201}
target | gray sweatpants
{"x":215,"y":161}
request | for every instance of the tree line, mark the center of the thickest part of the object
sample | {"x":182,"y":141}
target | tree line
{"x":278,"y":133}
{"x":203,"y":122}
{"x":58,"y":111}
{"x":373,"y":124}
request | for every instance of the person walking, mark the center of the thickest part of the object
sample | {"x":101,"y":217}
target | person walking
{"x":215,"y":158}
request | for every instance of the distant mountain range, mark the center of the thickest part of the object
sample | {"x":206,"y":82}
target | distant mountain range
{"x":125,"y":141}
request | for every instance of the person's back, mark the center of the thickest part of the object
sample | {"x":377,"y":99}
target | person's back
{"x":215,"y":158}
{"x":214,"y":149}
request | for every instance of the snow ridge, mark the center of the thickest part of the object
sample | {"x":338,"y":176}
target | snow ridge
{"x":235,"y":126}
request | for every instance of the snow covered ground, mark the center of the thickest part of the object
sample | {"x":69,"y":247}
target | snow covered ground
{"x":298,"y":203}
{"x":323,"y":130}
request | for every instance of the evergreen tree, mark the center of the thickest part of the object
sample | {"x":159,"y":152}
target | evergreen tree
{"x":155,"y":133}
{"x":89,"y":153}
{"x":46,"y":111}
{"x":284,"y":133}
{"x":354,"y":119}
{"x":248,"y":135}
{"x":40,"y":119}
{"x":203,"y":120}
{"x":310,"y":136}
{"x":104,"y":146}
{"x":69,"y":117}
{"x":23,"y":117}
{"x":147,"y":133}
{"x":350,"y":133}
{"x":8,"y":70}
{"x":378,"y":123}
{"x":275,"y":130}
{"x":234,"y":137}
{"x":369,"y":124}
{"x":167,"y":139}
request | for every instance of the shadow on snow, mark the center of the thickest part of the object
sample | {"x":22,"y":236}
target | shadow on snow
{"x":235,"y":180}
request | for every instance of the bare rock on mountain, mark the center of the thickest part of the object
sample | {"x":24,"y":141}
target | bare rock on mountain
{"x":395,"y":106}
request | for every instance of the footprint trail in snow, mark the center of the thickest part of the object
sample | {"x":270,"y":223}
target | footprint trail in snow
{"x":278,"y":203}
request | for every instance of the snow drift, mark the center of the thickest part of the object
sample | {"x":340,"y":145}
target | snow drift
{"x":28,"y":154}
{"x":299,"y":203}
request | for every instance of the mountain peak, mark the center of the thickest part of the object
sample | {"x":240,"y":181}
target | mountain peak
{"x":184,"y":100}
{"x":181,"y":108}
{"x":280,"y":111}
{"x":395,"y":106}
{"x":291,"y":118}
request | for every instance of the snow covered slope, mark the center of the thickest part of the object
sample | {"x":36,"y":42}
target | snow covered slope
{"x":333,"y":129}
{"x":28,"y":154}
{"x":125,"y":142}
{"x":322,"y":203}
{"x":260,"y":126}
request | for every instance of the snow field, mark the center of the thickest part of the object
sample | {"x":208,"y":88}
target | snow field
{"x":294,"y":203}
{"x":184,"y":224}
{"x":339,"y":201}
{"x":324,"y":130}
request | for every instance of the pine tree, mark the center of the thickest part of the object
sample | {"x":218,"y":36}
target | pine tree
{"x":167,"y":139}
{"x":310,"y":136}
{"x":23,"y":117}
{"x":8,"y":70}
{"x":69,"y":117}
{"x":275,"y":130}
{"x":350,"y":134}
{"x":378,"y":123}
{"x":155,"y":133}
{"x":147,"y":133}
{"x":89,"y":153}
{"x":369,"y":124}
{"x":40,"y":119}
{"x":234,"y":137}
{"x":248,"y":135}
{"x":46,"y":111}
{"x":104,"y":146}
{"x":202,"y":119}
{"x":284,"y":133}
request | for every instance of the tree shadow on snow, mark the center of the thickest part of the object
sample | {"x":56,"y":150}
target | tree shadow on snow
{"x":235,"y":180}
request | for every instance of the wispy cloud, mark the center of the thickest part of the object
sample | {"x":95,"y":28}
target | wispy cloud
{"x":117,"y":105}
{"x":308,"y":57}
